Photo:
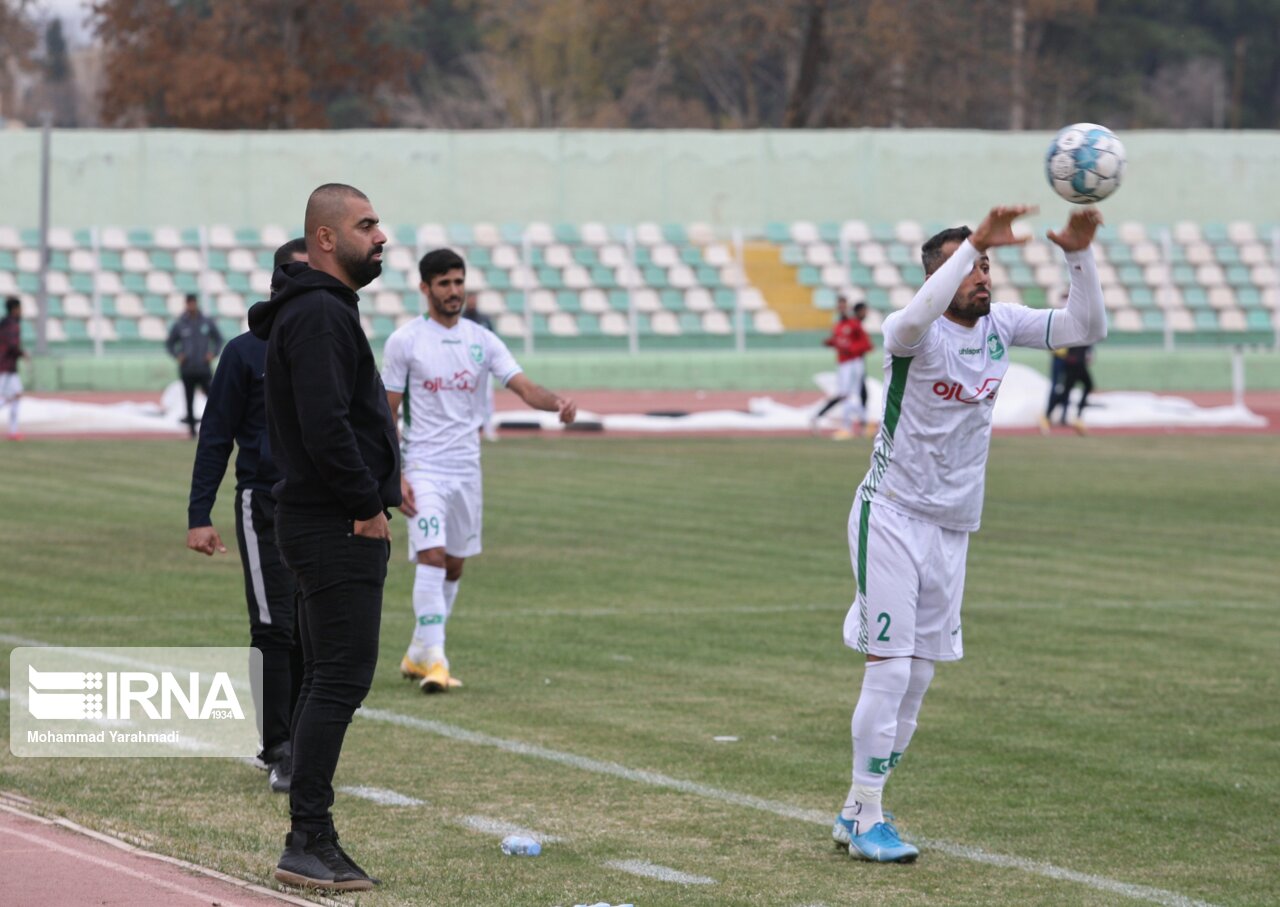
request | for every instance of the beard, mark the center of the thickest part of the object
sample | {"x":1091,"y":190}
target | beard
{"x":970,"y":308}
{"x":363,"y":269}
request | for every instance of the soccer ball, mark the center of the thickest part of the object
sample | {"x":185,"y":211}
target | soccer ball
{"x":1085,"y":163}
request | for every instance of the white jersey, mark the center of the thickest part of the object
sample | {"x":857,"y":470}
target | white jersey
{"x":444,"y":374}
{"x":930,"y":455}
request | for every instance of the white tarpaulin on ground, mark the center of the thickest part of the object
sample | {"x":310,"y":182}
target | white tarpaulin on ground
{"x":1019,"y":404}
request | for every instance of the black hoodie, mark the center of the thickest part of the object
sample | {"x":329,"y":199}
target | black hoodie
{"x":331,"y":429}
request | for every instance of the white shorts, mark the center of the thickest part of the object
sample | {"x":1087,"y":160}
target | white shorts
{"x":849,"y":377}
{"x":910,"y":579}
{"x":10,"y":385}
{"x":450,"y":515}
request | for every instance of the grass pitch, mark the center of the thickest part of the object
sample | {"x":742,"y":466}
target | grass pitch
{"x":1115,"y":715}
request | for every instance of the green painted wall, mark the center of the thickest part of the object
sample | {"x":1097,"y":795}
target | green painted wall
{"x":150,"y":177}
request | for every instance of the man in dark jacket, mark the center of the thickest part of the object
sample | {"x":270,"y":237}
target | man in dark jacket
{"x":235,"y":414}
{"x":335,"y":445}
{"x":194,"y":340}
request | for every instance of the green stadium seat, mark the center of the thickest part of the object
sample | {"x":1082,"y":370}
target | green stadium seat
{"x":691,"y":255}
{"x":829,"y":232}
{"x":382,"y":325}
{"x":248,"y":237}
{"x":8,"y":262}
{"x":1152,"y":320}
{"x":82,"y":283}
{"x":55,"y":309}
{"x":860,"y":275}
{"x":107,"y":305}
{"x":884,"y":233}
{"x":1206,"y":319}
{"x":1258,"y":320}
{"x":675,"y":234}
{"x":1035,"y":297}
{"x":76,"y":330}
{"x":901,"y":255}
{"x":59,"y":260}
{"x":913,"y":275}
{"x":127,"y":329}
{"x":1239,"y":276}
{"x":237,"y":282}
{"x":690,"y":323}
{"x":551,"y":278}
{"x":585,"y":256}
{"x":461,"y":234}
{"x":1227,"y":254}
{"x":497,"y":278}
{"x":155,"y":305}
{"x":1195,"y":298}
{"x":777,"y":232}
{"x":537,"y":256}
{"x":479,"y":257}
{"x":655,"y":277}
{"x":708,"y":276}
{"x":792,"y":255}
{"x":604,"y":278}
{"x":28,"y":283}
{"x":1021,"y":275}
{"x":569,"y":301}
{"x":1131,"y":277}
{"x":1119,"y":253}
{"x":1214,"y":233}
{"x":588,"y":324}
{"x":877,"y":298}
{"x":567,"y":233}
{"x":642,"y":256}
{"x":1184,"y":275}
{"x":824,"y":298}
{"x":809,"y":276}
{"x":540,"y":324}
{"x":725,"y":299}
{"x":1248,"y":297}
{"x":230,"y":327}
{"x":185,"y":283}
{"x":394,"y":280}
{"x":142,"y":237}
{"x":672,"y":300}
{"x":162,"y":260}
{"x":1141,"y":297}
{"x":406,"y":235}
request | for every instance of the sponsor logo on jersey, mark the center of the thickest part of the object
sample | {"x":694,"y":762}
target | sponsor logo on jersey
{"x":970,"y":351}
{"x":464,"y":381}
{"x":954,"y":390}
{"x":994,"y":346}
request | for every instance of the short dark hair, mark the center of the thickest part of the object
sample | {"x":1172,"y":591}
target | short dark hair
{"x":293,"y":247}
{"x":191,"y":297}
{"x":859,"y":307}
{"x":931,"y":253}
{"x":12,"y":304}
{"x":440,"y":261}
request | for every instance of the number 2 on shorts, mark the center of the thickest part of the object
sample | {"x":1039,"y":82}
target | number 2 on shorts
{"x":884,"y":631}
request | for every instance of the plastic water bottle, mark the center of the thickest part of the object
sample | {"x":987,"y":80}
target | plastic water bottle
{"x":520,"y":846}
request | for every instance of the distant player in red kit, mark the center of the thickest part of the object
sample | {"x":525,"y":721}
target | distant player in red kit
{"x":851,"y":344}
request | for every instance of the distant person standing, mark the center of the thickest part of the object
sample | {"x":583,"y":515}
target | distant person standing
{"x":1075,"y":370}
{"x":471,"y":312}
{"x":10,"y":352}
{"x":235,"y":415}
{"x":195,"y":341}
{"x":851,"y":343}
{"x":334,"y":443}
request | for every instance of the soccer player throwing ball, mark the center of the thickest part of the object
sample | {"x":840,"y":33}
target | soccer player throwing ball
{"x":945,"y":356}
{"x":440,"y":367}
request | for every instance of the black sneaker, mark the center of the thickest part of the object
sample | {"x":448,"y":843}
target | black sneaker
{"x":279,"y":761}
{"x":350,"y":862}
{"x":313,"y":860}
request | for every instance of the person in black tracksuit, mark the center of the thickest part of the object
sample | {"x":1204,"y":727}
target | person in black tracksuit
{"x":194,"y":340}
{"x":235,"y":414}
{"x":336,"y":447}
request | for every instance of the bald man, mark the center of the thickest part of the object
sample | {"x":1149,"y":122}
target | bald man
{"x":335,"y":444}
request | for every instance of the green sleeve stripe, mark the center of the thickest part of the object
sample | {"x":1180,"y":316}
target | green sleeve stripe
{"x":1048,"y":323}
{"x":897,"y":387}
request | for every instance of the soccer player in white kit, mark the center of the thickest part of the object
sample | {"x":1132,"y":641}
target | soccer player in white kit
{"x":946,"y":353}
{"x":440,"y":366}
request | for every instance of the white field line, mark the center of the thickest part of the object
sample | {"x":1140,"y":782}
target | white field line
{"x":785,"y":810}
{"x":382,"y":796}
{"x":661,"y":873}
{"x":500,"y":829}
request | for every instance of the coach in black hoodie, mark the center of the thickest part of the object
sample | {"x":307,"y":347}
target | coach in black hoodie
{"x":335,"y":444}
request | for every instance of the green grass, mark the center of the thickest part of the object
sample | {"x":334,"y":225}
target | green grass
{"x":1115,"y":714}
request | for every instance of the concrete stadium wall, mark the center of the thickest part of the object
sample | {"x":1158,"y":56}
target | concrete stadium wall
{"x":152,"y":177}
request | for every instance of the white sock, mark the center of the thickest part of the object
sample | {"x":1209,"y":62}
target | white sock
{"x":429,"y":608}
{"x":13,"y":415}
{"x":909,"y":711}
{"x":450,"y":596}
{"x":874,"y":725}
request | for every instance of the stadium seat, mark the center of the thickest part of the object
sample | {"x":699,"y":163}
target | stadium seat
{"x":767,"y":321}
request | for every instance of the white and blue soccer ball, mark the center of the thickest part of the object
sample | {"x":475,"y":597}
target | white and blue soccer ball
{"x":1085,"y":163}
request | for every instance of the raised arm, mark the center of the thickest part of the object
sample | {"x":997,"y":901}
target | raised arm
{"x":931,"y":301}
{"x":1083,"y":321}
